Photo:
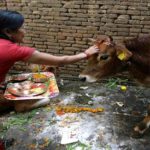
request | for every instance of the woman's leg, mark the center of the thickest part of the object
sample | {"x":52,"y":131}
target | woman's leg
{"x":5,"y":105}
{"x":21,"y":106}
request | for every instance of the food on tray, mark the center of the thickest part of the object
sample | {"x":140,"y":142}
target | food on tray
{"x":38,"y":77}
{"x":26,"y":88}
{"x":75,"y":109}
{"x":19,"y":77}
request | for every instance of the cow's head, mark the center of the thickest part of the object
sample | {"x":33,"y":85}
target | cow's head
{"x":110,"y":60}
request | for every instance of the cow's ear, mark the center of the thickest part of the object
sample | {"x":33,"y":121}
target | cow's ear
{"x":101,"y":39}
{"x":122,"y":52}
{"x":110,"y":38}
{"x":107,"y":40}
{"x":92,"y":40}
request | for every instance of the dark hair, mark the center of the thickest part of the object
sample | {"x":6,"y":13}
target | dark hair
{"x":10,"y":20}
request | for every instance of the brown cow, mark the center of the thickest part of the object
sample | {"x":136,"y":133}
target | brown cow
{"x":133,"y":54}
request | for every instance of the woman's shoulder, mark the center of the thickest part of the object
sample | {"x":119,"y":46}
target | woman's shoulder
{"x":11,"y":46}
{"x":4,"y":41}
{"x":7,"y":45}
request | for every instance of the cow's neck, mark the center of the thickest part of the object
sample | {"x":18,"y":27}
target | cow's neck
{"x":139,"y":71}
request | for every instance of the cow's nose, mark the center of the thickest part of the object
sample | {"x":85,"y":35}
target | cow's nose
{"x":83,"y":79}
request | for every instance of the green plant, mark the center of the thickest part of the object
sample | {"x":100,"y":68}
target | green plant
{"x":18,"y":120}
{"x":113,"y":82}
{"x":78,"y":145}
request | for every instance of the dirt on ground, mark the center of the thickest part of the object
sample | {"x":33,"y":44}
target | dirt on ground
{"x":121,"y":106}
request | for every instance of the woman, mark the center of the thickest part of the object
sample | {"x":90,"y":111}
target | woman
{"x":11,"y":33}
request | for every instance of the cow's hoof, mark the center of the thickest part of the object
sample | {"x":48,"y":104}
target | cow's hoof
{"x":139,"y":130}
{"x":136,"y":134}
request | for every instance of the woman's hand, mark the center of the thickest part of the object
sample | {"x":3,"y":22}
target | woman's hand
{"x":91,"y":50}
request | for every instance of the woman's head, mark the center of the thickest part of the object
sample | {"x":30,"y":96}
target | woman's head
{"x":10,"y":25}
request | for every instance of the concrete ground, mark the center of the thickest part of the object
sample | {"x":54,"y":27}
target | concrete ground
{"x":44,"y":129}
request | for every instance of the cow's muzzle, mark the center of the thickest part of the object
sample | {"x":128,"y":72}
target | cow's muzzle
{"x":87,"y":78}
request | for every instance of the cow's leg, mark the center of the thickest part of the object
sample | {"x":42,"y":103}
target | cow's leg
{"x":22,"y":106}
{"x":142,"y":127}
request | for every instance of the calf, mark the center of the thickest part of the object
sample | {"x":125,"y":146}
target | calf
{"x":133,"y":54}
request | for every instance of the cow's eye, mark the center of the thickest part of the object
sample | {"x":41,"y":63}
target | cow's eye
{"x":104,"y":57}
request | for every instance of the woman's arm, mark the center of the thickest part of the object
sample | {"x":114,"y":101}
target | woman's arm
{"x":48,"y":59}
